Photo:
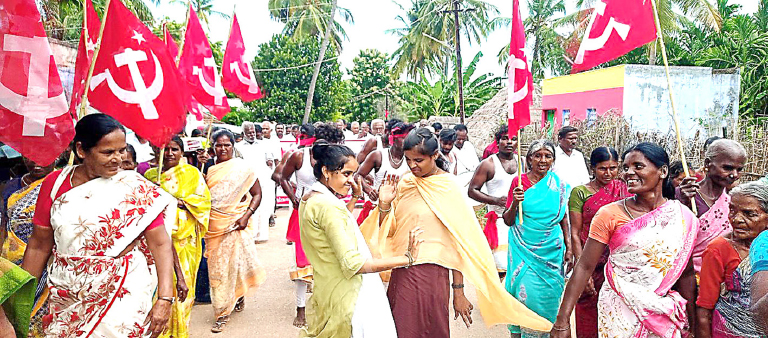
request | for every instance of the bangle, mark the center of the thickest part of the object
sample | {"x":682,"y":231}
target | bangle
{"x":410,"y":259}
{"x":567,"y":328}
{"x":167,"y":299}
{"x":357,"y":196}
{"x":252,"y":210}
{"x":457,"y":286}
{"x":385,"y":211}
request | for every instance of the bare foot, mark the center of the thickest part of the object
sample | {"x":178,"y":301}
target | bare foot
{"x":300,"y":320}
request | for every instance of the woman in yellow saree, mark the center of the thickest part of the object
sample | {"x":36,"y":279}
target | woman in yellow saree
{"x":186,"y":184}
{"x":233,"y":266}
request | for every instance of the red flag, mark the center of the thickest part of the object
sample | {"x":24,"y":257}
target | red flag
{"x":199,"y":69}
{"x":33,"y":108}
{"x":237,"y":72}
{"x":616,"y":28}
{"x":173,"y":49}
{"x":520,"y":77}
{"x":135,"y":79}
{"x":88,"y":37}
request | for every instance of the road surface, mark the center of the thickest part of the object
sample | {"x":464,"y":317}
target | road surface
{"x":270,"y":311}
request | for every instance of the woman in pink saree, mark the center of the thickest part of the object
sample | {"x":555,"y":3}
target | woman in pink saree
{"x":100,"y":224}
{"x":723,"y":162}
{"x":649,"y":284}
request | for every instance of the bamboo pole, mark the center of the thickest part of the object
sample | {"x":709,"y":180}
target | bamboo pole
{"x":660,"y":36}
{"x":160,"y":164}
{"x":97,"y":48}
{"x":519,"y":174}
{"x":181,"y":50}
{"x":207,"y":142}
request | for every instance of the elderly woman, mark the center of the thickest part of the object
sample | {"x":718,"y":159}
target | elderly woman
{"x":17,"y":228}
{"x":349,"y":299}
{"x":726,"y":272}
{"x":723,"y":162}
{"x":96,"y":220}
{"x":649,"y":280}
{"x":233,"y":266}
{"x":186,"y":184}
{"x":454,"y":247}
{"x":583,"y":204}
{"x":758,"y":257}
{"x":538,"y":251}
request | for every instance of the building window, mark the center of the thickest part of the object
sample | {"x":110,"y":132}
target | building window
{"x":566,"y":117}
{"x":591,"y":116}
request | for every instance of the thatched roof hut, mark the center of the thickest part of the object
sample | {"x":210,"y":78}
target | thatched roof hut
{"x":485,"y":121}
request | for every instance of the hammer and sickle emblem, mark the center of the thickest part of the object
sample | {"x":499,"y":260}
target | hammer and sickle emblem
{"x":253,"y":87}
{"x":517,"y":95}
{"x":36,"y":107}
{"x":591,"y":44}
{"x":217,"y":91}
{"x":142,"y":95}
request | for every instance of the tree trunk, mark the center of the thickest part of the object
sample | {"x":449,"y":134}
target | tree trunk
{"x":323,"y":47}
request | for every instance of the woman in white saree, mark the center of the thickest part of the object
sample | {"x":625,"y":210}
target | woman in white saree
{"x":349,"y":298}
{"x":100,"y":224}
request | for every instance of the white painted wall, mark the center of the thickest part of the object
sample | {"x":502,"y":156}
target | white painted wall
{"x":704,"y":102}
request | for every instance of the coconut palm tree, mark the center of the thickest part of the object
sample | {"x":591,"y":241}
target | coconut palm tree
{"x":304,"y":18}
{"x":428,"y":33}
{"x":63,"y":18}
{"x":203,"y":9}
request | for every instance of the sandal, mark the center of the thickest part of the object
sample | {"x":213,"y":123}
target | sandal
{"x":218,"y":326}
{"x":240,"y":305}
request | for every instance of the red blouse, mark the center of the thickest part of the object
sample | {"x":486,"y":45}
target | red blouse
{"x":718,"y":263}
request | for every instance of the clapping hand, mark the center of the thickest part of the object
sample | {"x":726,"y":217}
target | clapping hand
{"x":388,"y":189}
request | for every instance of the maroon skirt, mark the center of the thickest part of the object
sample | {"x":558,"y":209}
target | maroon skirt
{"x":419,"y":297}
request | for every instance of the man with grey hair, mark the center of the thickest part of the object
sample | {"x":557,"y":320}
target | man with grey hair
{"x":365,"y":130}
{"x":253,"y":151}
{"x":355,"y":128}
{"x":377,"y":127}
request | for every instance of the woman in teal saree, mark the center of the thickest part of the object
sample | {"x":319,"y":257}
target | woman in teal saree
{"x":538,"y":253}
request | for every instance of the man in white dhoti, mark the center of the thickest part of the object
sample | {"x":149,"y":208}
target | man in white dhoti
{"x":268,"y":188}
{"x":253,"y":150}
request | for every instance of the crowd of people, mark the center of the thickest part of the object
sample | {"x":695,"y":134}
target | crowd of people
{"x":124,"y":239}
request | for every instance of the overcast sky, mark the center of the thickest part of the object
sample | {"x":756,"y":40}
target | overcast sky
{"x":372,"y":19}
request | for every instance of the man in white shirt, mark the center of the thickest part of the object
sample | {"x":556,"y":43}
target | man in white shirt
{"x":466,"y":160}
{"x":268,"y":188}
{"x":253,"y":150}
{"x":569,"y":162}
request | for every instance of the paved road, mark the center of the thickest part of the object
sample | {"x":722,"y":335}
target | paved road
{"x":270,"y":311}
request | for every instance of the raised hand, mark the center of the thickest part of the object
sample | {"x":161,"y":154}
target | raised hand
{"x":388,"y":189}
{"x":357,"y":187}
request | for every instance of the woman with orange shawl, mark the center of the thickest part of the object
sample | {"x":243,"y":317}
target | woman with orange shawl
{"x":431,"y":199}
{"x":233,"y":266}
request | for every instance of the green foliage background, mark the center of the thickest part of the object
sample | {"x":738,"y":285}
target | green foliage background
{"x":286,"y":90}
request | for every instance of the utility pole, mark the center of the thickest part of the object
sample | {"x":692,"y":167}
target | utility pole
{"x":457,"y":39}
{"x":323,"y":47}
